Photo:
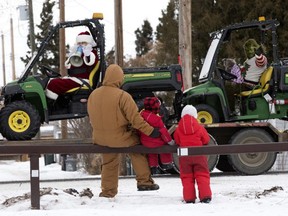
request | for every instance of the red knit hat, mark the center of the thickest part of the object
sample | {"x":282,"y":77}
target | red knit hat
{"x":152,"y":104}
{"x":85,"y":37}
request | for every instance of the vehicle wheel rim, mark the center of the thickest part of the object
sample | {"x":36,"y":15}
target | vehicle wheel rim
{"x":19,"y":121}
{"x":205,"y":117}
{"x":253,"y":158}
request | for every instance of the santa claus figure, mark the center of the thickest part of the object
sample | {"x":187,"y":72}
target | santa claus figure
{"x":81,"y":62}
{"x":256,"y":62}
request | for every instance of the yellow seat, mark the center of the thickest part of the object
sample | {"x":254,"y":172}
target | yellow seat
{"x":91,"y":80}
{"x":263,"y":85}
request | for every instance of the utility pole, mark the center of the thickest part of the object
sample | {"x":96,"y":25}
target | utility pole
{"x":185,"y":41}
{"x":3,"y":59}
{"x":62,"y":39}
{"x":118,"y":32}
{"x":12,"y":50}
{"x":62,"y":55}
{"x":31,"y":30}
{"x":119,"y":59}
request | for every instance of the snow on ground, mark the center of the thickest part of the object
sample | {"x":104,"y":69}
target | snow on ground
{"x":232,"y":195}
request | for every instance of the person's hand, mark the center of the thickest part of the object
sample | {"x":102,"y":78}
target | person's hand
{"x":171,"y":143}
{"x":259,"y":51}
{"x":155,"y":133}
{"x":87,"y":49}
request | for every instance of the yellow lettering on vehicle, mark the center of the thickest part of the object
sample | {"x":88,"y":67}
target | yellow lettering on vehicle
{"x":143,"y":75}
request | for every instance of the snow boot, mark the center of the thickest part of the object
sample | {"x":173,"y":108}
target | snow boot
{"x":206,"y":200}
{"x":170,"y":168}
{"x":148,"y":187}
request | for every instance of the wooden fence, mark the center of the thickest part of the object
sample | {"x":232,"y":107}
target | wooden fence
{"x":35,"y":148}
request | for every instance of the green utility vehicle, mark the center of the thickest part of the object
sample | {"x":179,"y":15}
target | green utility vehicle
{"x":25,"y":106}
{"x":236,"y":116}
{"x":212,"y":97}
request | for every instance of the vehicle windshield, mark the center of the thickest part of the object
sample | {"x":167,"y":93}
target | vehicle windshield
{"x":209,"y":57}
{"x":28,"y":65}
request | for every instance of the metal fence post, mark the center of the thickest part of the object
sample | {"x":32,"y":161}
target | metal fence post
{"x":34,"y":181}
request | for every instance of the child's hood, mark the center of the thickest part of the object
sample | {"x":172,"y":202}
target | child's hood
{"x":188,"y":125}
{"x":150,"y":117}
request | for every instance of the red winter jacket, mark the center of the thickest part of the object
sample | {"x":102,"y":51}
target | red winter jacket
{"x":193,"y":169}
{"x":156,"y":122}
{"x":190,"y":133}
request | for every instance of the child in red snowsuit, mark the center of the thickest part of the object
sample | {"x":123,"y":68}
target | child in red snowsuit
{"x":150,"y":114}
{"x":193,"y":169}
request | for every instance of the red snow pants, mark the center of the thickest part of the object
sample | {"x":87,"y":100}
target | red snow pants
{"x":60,"y":85}
{"x":165,"y":158}
{"x":194,"y":170}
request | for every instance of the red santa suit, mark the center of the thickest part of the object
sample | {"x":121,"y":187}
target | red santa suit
{"x":76,"y":74}
{"x":193,"y":169}
{"x":150,"y":114}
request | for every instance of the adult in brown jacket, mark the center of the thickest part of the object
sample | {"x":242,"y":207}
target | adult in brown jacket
{"x":113,"y":113}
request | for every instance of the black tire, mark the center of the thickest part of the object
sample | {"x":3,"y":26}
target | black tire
{"x":19,"y":120}
{"x":164,"y":113}
{"x":252,"y":163}
{"x":223,"y":164}
{"x":212,"y":159}
{"x":207,"y":114}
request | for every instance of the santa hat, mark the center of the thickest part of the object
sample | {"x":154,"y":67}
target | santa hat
{"x":152,"y":104}
{"x":189,"y":110}
{"x":85,"y":37}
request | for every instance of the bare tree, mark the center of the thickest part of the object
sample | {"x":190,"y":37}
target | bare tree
{"x":82,"y":129}
{"x":92,"y":162}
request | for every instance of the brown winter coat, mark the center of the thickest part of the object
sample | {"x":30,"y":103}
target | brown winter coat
{"x":112,"y":111}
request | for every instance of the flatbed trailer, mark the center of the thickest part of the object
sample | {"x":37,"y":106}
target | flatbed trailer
{"x":238,"y":133}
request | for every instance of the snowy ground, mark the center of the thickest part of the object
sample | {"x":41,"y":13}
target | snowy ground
{"x":232,"y":195}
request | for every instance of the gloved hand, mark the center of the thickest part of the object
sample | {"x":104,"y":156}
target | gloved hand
{"x":171,"y":143}
{"x":87,"y":49}
{"x":259,"y":51}
{"x":155,"y":133}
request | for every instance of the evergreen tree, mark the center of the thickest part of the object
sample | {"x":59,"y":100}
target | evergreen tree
{"x":144,"y":38}
{"x":51,"y":54}
{"x":275,"y":9}
{"x":28,"y":54}
{"x":205,"y":19}
{"x":211,"y":15}
{"x":167,"y":35}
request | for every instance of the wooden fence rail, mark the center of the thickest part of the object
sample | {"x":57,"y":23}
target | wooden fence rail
{"x":35,"y":148}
